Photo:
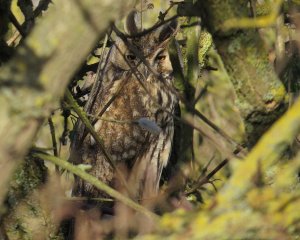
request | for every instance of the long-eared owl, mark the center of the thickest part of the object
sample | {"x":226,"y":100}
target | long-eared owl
{"x":132,"y":112}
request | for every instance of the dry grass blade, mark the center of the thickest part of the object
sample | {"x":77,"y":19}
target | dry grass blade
{"x":97,"y":183}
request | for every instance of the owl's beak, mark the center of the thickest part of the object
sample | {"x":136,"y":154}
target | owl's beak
{"x":148,"y":70}
{"x":145,"y":71}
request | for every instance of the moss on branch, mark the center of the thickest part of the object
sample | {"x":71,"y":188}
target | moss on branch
{"x":260,"y":94}
{"x":36,"y":77}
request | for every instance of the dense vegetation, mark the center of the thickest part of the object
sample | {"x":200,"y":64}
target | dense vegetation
{"x":234,"y":173}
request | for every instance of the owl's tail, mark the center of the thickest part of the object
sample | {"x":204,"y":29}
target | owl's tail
{"x":146,"y":173}
{"x":144,"y":180}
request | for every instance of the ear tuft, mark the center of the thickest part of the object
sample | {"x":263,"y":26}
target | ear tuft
{"x":133,"y":23}
{"x":168,"y":31}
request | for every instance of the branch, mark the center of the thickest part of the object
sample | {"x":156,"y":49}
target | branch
{"x":35,"y":79}
{"x":17,"y":25}
{"x":154,"y":27}
{"x":83,"y":117}
{"x":269,"y":149}
{"x":258,"y":22}
{"x":260,"y":95}
{"x":97,"y":183}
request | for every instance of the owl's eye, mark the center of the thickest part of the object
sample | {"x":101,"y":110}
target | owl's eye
{"x":130,"y":57}
{"x":161,"y":57}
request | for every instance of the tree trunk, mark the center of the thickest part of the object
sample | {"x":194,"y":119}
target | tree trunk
{"x":260,"y":94}
{"x":35,"y":78}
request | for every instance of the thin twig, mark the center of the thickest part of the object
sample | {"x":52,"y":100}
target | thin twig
{"x":97,"y":183}
{"x":133,"y":70}
{"x":191,"y":109}
{"x":43,"y":5}
{"x":82,"y":115}
{"x":216,"y":144}
{"x":141,"y":13}
{"x":101,"y":111}
{"x":90,"y":199}
{"x":253,"y":8}
{"x":216,"y":128}
{"x":206,"y":179}
{"x":15,"y":22}
{"x":136,"y":51}
{"x":201,"y":94}
{"x":12,"y":40}
{"x":53,"y":138}
{"x":162,"y":16}
{"x":112,"y":120}
{"x":93,"y":94}
{"x":102,"y":55}
{"x":154,"y":27}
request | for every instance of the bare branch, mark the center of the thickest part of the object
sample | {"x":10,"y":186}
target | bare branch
{"x":39,"y":72}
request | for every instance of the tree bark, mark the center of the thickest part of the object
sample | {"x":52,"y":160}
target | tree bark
{"x":34,"y":80}
{"x":260,"y":94}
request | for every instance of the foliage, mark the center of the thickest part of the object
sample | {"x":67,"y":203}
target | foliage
{"x":236,"y":161}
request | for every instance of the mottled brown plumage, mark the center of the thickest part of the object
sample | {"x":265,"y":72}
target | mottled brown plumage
{"x":142,"y":70}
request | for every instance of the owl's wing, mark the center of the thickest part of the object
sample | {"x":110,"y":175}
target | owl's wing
{"x":79,"y":131}
{"x":115,"y":112}
{"x":147,"y":169}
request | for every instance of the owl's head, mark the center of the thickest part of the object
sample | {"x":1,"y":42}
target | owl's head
{"x":144,"y":49}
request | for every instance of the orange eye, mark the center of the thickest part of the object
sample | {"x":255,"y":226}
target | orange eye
{"x":161,"y":57}
{"x":130,"y":57}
